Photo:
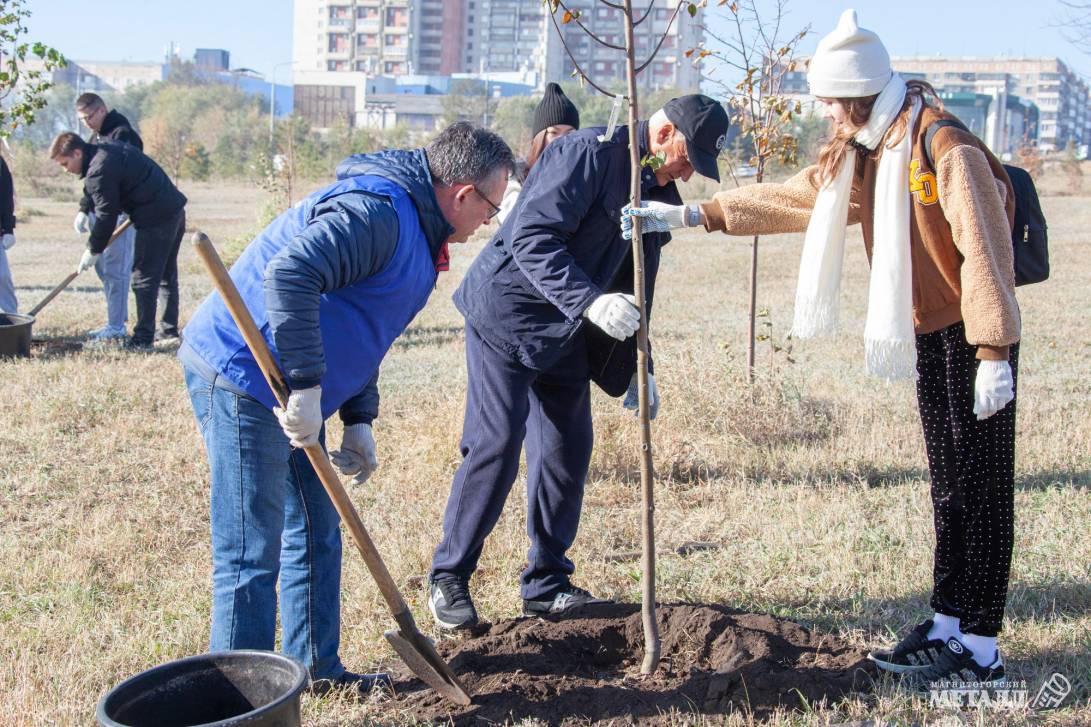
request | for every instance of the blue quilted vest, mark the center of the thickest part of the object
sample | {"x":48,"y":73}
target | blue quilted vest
{"x":358,"y":322}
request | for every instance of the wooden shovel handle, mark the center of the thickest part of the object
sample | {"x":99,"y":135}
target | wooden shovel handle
{"x":315,"y":453}
{"x":72,"y":276}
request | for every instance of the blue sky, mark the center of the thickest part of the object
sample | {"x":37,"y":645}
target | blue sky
{"x":259,"y":32}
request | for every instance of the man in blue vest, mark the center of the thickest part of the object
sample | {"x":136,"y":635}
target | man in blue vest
{"x":549,"y":308}
{"x":331,"y":283}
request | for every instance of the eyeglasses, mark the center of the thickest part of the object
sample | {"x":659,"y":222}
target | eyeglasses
{"x":86,"y":116}
{"x":495,"y":209}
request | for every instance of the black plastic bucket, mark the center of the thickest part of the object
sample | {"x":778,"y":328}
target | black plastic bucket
{"x":15,"y":334}
{"x":252,"y":688}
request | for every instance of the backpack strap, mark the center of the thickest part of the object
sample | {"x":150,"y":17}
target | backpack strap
{"x":930,"y":133}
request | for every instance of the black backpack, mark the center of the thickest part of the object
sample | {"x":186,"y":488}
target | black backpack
{"x":1029,"y":235}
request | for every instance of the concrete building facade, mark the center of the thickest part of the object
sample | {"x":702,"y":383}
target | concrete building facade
{"x":1060,"y":95}
{"x":448,"y":37}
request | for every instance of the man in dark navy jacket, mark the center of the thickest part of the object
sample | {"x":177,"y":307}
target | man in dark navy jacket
{"x":331,"y":282}
{"x":549,"y":307}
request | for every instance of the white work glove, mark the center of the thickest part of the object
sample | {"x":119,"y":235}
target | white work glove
{"x":87,"y":261}
{"x":357,"y":453}
{"x":632,"y":396}
{"x":301,"y":420}
{"x":615,"y":313}
{"x":82,"y":223}
{"x":993,"y":388}
{"x":8,"y":241}
{"x":659,"y":217}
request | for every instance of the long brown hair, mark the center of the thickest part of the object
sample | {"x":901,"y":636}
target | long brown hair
{"x":858,"y":112}
{"x":537,"y":146}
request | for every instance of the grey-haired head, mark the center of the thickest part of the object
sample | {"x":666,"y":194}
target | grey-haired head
{"x":470,"y":168}
{"x":466,"y":153}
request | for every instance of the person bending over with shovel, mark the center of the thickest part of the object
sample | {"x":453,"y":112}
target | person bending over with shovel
{"x":115,"y":266}
{"x":941,"y":308}
{"x":331,"y":283}
{"x":549,"y":308}
{"x":119,"y":178}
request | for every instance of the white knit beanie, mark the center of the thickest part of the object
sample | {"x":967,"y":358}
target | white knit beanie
{"x":850,"y":62}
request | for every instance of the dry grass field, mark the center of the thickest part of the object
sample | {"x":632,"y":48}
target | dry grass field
{"x":813,"y":481}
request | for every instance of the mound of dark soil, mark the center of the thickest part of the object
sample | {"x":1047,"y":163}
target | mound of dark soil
{"x":586,"y":669}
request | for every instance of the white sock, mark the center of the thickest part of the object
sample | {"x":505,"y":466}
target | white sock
{"x":983,"y":648}
{"x":944,"y":627}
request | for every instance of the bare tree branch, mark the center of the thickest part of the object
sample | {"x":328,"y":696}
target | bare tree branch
{"x":662,"y":38}
{"x":579,"y":70}
{"x":645,"y":15}
{"x":576,"y":17}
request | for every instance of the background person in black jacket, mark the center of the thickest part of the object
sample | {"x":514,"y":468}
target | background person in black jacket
{"x":8,"y":301}
{"x":115,"y":266}
{"x":119,"y":178}
{"x":549,"y":308}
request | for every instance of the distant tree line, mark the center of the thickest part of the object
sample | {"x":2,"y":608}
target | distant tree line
{"x":200,"y":129}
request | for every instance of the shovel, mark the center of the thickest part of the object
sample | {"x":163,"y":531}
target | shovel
{"x":72,"y":276}
{"x":416,"y":650}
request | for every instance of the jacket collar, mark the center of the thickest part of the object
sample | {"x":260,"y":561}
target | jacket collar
{"x":408,"y":168}
{"x":89,"y":150}
{"x":112,"y":120}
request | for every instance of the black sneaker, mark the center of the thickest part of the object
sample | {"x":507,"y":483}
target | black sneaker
{"x":361,"y":684}
{"x":566,"y":600}
{"x":165,"y":341}
{"x":450,"y":603}
{"x":954,"y":668}
{"x":138,"y":346}
{"x":913,"y":653}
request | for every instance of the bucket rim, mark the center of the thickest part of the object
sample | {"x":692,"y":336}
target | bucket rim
{"x":18,"y":319}
{"x":298,"y":684}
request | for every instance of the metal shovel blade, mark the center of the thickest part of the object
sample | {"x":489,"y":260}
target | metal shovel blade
{"x":423,"y":660}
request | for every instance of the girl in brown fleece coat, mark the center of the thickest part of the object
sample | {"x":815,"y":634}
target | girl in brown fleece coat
{"x":941,"y":307}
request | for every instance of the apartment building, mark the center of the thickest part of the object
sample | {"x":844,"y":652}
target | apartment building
{"x":337,"y":45}
{"x":510,"y":36}
{"x":443,"y":37}
{"x":1061,"y":97}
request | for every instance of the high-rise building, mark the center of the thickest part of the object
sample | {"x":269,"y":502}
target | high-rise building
{"x":1060,"y":95}
{"x":443,"y":37}
{"x":337,"y":45}
{"x":510,"y":36}
{"x":436,"y":29}
{"x":375,"y":37}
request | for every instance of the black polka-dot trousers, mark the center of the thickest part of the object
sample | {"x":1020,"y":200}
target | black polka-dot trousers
{"x":972,"y":464}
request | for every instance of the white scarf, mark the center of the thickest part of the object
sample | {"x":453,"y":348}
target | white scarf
{"x":889,"y":338}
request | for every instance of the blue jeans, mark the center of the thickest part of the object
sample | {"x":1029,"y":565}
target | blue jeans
{"x":8,"y":302}
{"x":271,"y":519}
{"x":114,"y":268}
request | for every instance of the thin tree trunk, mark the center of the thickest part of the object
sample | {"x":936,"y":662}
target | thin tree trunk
{"x":652,"y":646}
{"x":750,"y":340}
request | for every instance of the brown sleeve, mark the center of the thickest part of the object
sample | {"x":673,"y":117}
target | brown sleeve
{"x":974,"y":208}
{"x":768,"y":208}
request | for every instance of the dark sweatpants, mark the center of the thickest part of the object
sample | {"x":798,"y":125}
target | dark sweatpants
{"x":155,"y":277}
{"x":507,"y":403}
{"x":972,"y":464}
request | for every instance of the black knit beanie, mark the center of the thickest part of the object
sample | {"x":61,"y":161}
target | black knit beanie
{"x":554,"y":109}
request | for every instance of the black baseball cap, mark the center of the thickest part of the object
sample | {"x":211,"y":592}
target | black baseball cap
{"x":703,"y":121}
